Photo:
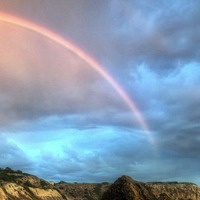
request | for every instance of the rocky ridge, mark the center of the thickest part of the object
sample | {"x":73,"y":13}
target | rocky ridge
{"x":174,"y":190}
{"x":15,"y":185}
{"x":125,"y":188}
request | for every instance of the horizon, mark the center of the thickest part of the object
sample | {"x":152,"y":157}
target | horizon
{"x":92,"y":90}
{"x":154,"y":182}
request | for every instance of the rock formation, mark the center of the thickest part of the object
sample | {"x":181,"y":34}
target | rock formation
{"x":125,"y":188}
{"x":15,"y":185}
{"x":174,"y":190}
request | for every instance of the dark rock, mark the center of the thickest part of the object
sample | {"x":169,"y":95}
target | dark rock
{"x":125,"y":188}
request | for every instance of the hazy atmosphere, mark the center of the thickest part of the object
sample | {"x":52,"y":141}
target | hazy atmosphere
{"x":135,"y":110}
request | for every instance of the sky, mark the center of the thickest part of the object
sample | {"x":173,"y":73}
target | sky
{"x":60,"y":119}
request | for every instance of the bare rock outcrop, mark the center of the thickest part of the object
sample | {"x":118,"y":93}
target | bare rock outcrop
{"x":175,"y":190}
{"x":125,"y":188}
{"x":16,"y":185}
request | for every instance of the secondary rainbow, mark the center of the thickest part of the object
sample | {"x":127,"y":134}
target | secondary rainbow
{"x":100,"y":69}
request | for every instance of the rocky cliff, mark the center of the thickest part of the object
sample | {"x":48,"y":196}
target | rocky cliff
{"x":125,"y":188}
{"x":15,"y":185}
{"x":175,"y":191}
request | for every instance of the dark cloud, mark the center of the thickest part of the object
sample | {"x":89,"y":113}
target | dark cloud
{"x":159,"y":35}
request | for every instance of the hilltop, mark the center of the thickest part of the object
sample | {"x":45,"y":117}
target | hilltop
{"x":125,"y":188}
{"x":16,"y":185}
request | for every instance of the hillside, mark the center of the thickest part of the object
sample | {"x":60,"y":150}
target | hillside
{"x":16,"y":185}
{"x":125,"y":188}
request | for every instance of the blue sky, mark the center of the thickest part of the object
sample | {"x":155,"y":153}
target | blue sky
{"x":61,"y":120}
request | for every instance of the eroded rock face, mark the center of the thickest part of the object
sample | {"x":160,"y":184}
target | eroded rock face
{"x":15,"y":185}
{"x":46,"y":194}
{"x":2,"y":194}
{"x":82,"y":191}
{"x":125,"y":188}
{"x":12,"y":191}
{"x":176,"y":191}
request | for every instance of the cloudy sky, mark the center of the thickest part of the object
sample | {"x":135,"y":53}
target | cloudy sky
{"x":61,"y":119}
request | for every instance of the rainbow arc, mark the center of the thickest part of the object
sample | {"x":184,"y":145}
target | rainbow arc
{"x":77,"y":51}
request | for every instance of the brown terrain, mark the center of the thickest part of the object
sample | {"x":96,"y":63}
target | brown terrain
{"x":15,"y":185}
{"x":125,"y":188}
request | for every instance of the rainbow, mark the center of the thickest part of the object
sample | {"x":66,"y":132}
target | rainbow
{"x":68,"y":45}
